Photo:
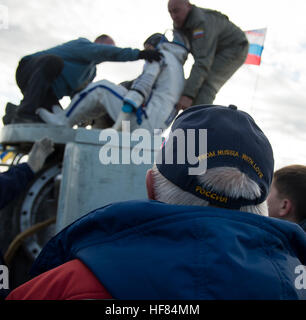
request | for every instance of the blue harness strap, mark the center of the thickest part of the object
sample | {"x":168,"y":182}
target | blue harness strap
{"x":142,"y":110}
{"x":139,"y":112}
{"x":85,"y":93}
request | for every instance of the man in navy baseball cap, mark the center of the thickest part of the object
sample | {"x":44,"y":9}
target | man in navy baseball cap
{"x":235,"y":145}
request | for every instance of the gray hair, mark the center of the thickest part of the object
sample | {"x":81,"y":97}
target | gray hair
{"x":229,"y":181}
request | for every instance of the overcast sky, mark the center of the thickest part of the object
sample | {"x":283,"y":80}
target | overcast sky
{"x":274,"y":93}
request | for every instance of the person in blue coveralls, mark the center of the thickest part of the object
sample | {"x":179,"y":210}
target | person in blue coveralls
{"x":204,"y":233}
{"x":47,"y":76}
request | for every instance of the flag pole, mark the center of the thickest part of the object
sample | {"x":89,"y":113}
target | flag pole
{"x":255,"y":90}
{"x":256,"y":39}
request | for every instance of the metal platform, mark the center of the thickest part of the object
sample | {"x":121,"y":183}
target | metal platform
{"x":86,"y":183}
{"x":22,"y":133}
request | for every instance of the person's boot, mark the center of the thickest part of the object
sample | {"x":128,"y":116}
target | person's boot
{"x":57,"y":118}
{"x":11,"y":107}
{"x":10,"y":111}
{"x":24,"y":117}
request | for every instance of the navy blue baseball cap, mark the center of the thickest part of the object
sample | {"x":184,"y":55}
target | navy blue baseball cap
{"x":233,"y":140}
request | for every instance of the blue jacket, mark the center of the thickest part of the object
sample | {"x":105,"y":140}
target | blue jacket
{"x":80,"y":58}
{"x":303,"y":225}
{"x":13,"y":182}
{"x":152,"y":250}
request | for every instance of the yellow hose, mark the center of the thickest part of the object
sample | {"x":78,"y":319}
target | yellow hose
{"x":15,"y":244}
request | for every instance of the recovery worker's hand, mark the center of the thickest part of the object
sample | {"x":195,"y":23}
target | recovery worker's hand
{"x":39,"y":153}
{"x":184,"y":103}
{"x":150,"y":55}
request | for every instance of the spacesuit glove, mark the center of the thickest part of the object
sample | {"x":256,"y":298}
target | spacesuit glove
{"x":150,"y":55}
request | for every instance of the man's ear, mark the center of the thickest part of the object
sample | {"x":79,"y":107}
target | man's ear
{"x":286,"y":208}
{"x":150,"y":185}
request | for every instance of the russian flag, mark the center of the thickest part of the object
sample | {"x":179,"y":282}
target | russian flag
{"x":256,"y":40}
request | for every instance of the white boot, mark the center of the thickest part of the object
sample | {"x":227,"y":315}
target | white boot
{"x":57,"y":119}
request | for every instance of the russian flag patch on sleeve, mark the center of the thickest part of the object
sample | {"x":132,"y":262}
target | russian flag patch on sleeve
{"x":198,"y":33}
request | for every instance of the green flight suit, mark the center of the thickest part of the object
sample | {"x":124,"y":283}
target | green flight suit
{"x":218,"y":47}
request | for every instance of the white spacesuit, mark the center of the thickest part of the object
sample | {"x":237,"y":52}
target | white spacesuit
{"x":155,"y":92}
